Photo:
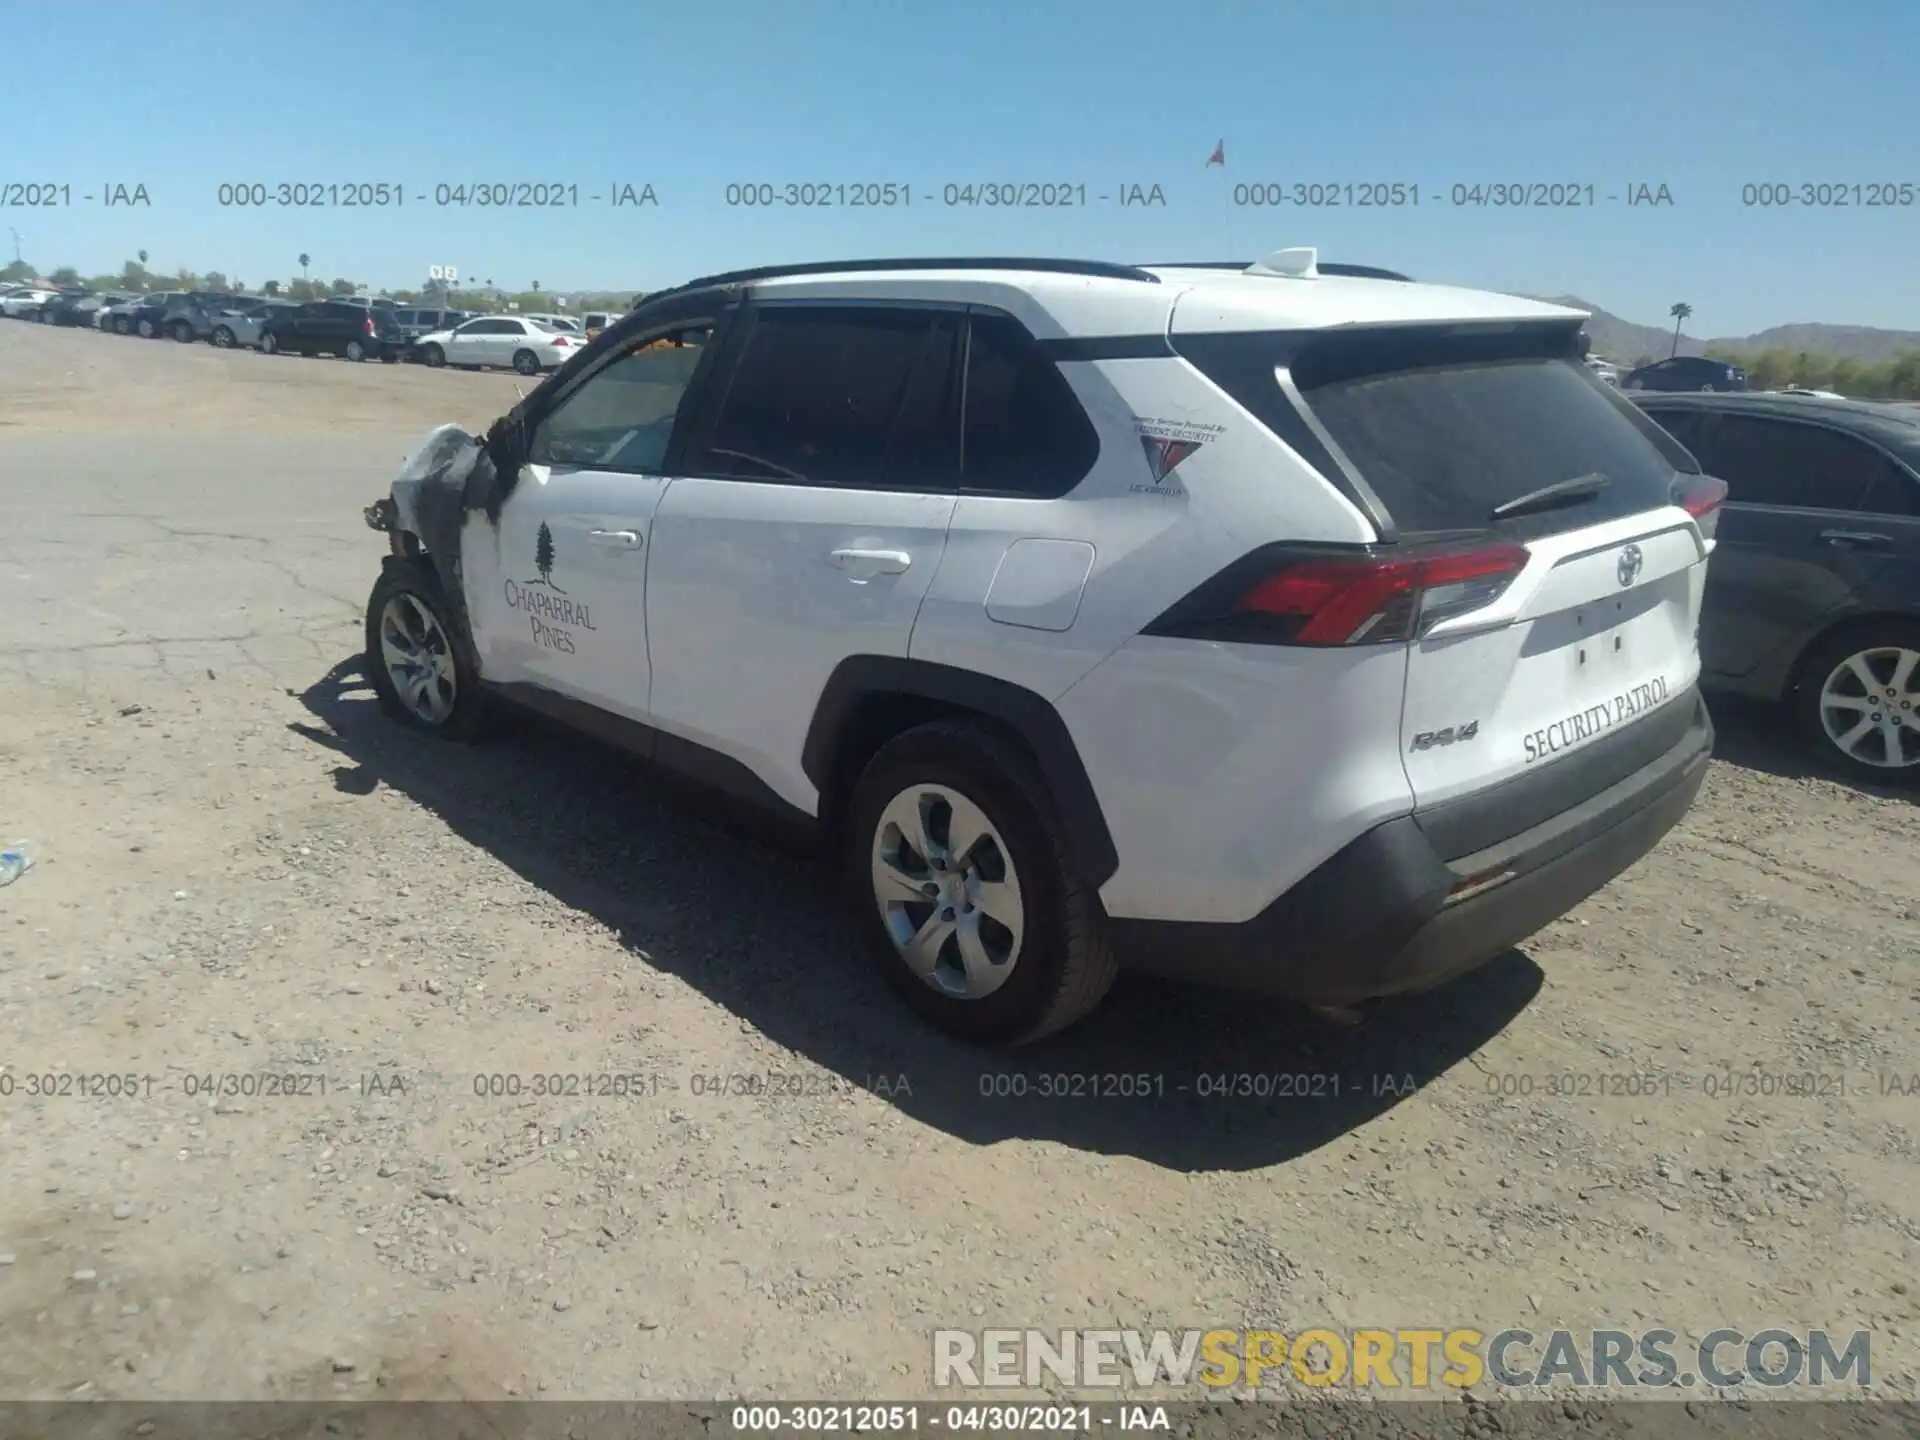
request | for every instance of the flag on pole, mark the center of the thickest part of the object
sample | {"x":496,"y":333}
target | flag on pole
{"x":1219,"y":156}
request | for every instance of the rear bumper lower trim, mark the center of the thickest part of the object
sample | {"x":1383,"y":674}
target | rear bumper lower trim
{"x":1387,"y":915}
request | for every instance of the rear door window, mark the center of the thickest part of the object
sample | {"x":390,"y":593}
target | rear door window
{"x":1791,"y":466}
{"x":858,"y":396}
{"x":1446,"y":427}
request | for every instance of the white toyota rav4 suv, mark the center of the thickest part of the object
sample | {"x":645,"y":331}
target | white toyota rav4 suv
{"x":1286,"y":626}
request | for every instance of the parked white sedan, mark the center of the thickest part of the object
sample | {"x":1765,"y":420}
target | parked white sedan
{"x":21,"y":302}
{"x":499,"y":340}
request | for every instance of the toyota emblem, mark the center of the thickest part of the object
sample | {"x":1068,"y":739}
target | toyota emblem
{"x":1630,"y":562}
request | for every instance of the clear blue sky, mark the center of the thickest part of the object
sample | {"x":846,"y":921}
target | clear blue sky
{"x":183,"y":95}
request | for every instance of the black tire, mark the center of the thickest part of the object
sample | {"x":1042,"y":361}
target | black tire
{"x":120,"y":326}
{"x":415,"y":580}
{"x":525,"y":362}
{"x":1828,"y":656}
{"x":433,"y":357}
{"x":183,"y":332}
{"x":146,"y":329}
{"x":269,"y":344}
{"x":353,"y":350}
{"x":222,"y":337}
{"x":1065,"y":963}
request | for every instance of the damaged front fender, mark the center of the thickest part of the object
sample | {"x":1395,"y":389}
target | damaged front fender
{"x":451,"y":473}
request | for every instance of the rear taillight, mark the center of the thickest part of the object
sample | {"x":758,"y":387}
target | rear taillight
{"x":560,"y":342}
{"x":1282,"y":596}
{"x":1701,"y":496}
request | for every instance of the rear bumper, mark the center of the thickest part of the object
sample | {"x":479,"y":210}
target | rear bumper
{"x":1406,"y":907}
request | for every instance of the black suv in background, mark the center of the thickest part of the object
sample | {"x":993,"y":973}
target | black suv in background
{"x":417,"y":322}
{"x":1686,"y":372}
{"x":1813,"y":592}
{"x":335,"y":327}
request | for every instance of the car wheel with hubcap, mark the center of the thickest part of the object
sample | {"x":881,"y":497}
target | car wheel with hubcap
{"x":120,"y":326}
{"x":418,"y":668}
{"x":355,"y":351}
{"x":1859,"y":700}
{"x":183,"y":332}
{"x":966,"y":895}
{"x":270,"y":344}
{"x":433,"y":356}
{"x":223,"y":337}
{"x":526,"y":362}
{"x":146,"y":329}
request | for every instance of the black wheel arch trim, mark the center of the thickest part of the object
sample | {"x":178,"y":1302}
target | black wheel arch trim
{"x":862,"y":679}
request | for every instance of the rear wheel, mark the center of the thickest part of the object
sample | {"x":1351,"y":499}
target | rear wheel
{"x":146,"y":329}
{"x":270,"y":344}
{"x":966,"y":895}
{"x":1859,"y":700}
{"x":526,"y":362}
{"x":417,"y":668}
{"x":120,"y":326}
{"x":354,"y":351}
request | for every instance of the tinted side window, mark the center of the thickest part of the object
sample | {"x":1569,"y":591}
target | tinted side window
{"x":1893,"y":494}
{"x":858,"y":396}
{"x":1026,"y":433}
{"x":1776,"y":462}
{"x":621,"y":417}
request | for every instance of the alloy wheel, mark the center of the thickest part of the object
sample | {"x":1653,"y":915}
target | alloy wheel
{"x":418,"y":658}
{"x":947,"y":891}
{"x":1870,"y":707}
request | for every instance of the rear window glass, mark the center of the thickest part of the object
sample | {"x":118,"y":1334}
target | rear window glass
{"x":1447,"y":428}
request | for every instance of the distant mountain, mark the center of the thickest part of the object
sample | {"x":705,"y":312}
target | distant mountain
{"x":1624,"y":341}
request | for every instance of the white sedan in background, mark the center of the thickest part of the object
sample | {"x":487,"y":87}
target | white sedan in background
{"x":22,"y":301}
{"x":526,"y":344}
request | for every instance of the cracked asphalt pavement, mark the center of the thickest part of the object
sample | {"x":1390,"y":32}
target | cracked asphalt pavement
{"x":279,"y":1007}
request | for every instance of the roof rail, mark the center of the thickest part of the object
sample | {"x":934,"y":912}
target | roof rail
{"x":1325,"y":267}
{"x":1105,"y":269}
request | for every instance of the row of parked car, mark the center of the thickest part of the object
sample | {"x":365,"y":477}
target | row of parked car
{"x":351,"y":327}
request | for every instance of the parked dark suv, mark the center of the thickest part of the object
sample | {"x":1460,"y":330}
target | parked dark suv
{"x":186,"y":315}
{"x":424,"y":321}
{"x":335,"y":327}
{"x":1686,"y":372}
{"x":1813,"y":592}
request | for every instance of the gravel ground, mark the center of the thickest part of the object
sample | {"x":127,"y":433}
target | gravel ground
{"x":249,"y":875}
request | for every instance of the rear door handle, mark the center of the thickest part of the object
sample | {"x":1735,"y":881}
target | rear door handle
{"x":1864,"y":539}
{"x":616,"y":539}
{"x":872,"y":562}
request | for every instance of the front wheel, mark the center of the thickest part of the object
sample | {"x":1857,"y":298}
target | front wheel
{"x":969,"y":902}
{"x":433,"y":356}
{"x":146,"y":329}
{"x":270,"y":344}
{"x":120,"y":326}
{"x":417,"y":668}
{"x":526,"y":362}
{"x":223,"y":337}
{"x":1860,"y":701}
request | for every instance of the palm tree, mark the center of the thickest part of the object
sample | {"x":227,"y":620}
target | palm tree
{"x":1680,"y":313}
{"x":143,"y":258}
{"x":304,"y":261}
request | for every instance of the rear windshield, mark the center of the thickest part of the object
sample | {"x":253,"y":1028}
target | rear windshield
{"x":1445,"y":427}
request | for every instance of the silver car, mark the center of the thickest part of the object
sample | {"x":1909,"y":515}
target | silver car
{"x":118,"y":317}
{"x":240,"y":328}
{"x":499,"y":340}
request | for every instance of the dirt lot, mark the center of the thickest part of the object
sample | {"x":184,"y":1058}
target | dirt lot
{"x":248,"y":873}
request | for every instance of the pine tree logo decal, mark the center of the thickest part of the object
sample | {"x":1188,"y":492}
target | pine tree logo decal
{"x":543,"y":557}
